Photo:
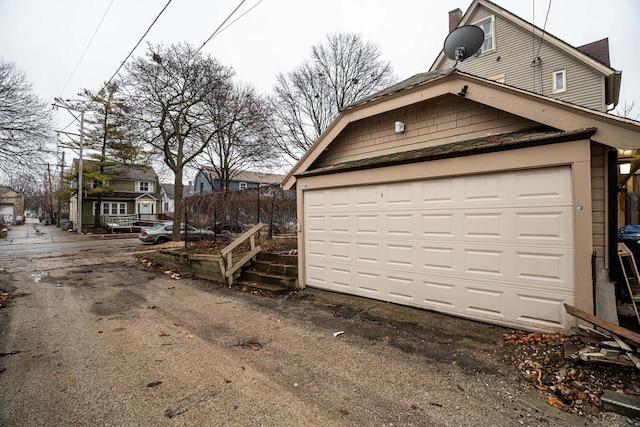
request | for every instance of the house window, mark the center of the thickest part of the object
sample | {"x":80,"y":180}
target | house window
{"x":144,"y":186}
{"x":242,"y":185}
{"x":559,"y":81}
{"x":111,"y":208}
{"x":166,"y":206}
{"x":486,"y":25}
{"x":201,"y":187}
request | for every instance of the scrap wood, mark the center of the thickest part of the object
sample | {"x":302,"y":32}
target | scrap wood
{"x":629,"y":351}
{"x":594,"y":354}
{"x":613,"y":328}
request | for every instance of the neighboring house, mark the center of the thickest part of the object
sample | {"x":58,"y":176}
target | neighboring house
{"x":11,"y":205}
{"x":166,"y":191}
{"x":240,"y":181}
{"x":581,"y":75}
{"x":496,"y":206}
{"x":135,"y":191}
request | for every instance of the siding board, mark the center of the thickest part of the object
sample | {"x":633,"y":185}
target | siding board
{"x":514,"y":52}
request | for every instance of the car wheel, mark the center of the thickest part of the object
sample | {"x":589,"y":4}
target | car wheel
{"x":162,"y":239}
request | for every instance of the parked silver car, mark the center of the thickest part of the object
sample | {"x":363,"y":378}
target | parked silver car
{"x":162,"y":232}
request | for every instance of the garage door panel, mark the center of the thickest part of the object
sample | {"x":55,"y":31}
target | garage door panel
{"x":544,"y":225}
{"x":400,"y":256}
{"x":543,"y":185}
{"x":368,"y":253}
{"x":436,"y":193}
{"x":399,"y":224}
{"x":485,"y":302}
{"x":438,"y":259}
{"x":482,"y":189}
{"x":367,"y":224}
{"x":437,"y":225}
{"x":438,"y":294}
{"x":496,"y":247}
{"x":490,"y":225}
{"x":543,"y":311}
{"x":339,"y":224}
{"x":542,"y":266}
{"x":340,"y":250}
{"x":366,"y":197}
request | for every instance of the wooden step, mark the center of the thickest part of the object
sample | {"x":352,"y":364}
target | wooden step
{"x":274,"y":289}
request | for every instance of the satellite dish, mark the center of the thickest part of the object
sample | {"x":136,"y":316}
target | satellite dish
{"x":463,"y":42}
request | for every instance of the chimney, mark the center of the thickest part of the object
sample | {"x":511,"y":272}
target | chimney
{"x":454,"y":18}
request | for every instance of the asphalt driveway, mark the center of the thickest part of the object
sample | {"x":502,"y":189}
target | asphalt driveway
{"x":94,"y":337}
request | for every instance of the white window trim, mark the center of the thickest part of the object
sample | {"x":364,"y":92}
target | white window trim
{"x":564,"y":80}
{"x":243,"y":185}
{"x":493,"y":33}
{"x":139,"y":184}
{"x":118,"y":206}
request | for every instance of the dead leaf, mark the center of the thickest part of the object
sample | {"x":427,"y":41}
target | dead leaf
{"x":189,"y":336}
{"x":69,"y":381}
{"x":386,"y":339}
{"x":267,"y":352}
{"x":554,"y":401}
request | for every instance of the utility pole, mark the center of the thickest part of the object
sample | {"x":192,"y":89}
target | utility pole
{"x":50,"y":193}
{"x":59,"y":103}
{"x":80,"y":170}
{"x":61,"y":185}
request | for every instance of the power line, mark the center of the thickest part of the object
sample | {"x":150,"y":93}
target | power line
{"x":220,"y":26}
{"x":136,"y":46}
{"x":543,"y":30}
{"x":86,"y":48}
{"x":238,"y":18}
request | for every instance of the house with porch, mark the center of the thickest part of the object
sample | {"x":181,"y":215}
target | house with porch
{"x":132,"y":191}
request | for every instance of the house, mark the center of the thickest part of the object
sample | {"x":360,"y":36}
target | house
{"x":495,"y":205}
{"x":240,"y":180}
{"x":580,"y":75}
{"x":166,"y":192}
{"x":11,"y":205}
{"x":131,"y":190}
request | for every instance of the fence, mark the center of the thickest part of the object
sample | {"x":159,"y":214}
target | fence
{"x":236,"y":211}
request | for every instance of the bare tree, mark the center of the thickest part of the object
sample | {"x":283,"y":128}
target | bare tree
{"x":626,"y":111}
{"x":236,"y":130}
{"x":307,"y":99}
{"x":167,"y":91}
{"x":25,"y":124}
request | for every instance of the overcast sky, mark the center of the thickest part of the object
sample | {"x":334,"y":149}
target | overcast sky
{"x":46,"y":38}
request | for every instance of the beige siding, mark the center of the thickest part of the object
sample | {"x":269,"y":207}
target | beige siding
{"x":598,"y":203}
{"x":514,"y":52}
{"x":426,"y":124}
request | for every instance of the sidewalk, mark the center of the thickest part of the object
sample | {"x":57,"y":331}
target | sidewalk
{"x":33,"y":231}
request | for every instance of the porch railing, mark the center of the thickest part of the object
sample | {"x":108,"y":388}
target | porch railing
{"x":229,"y":268}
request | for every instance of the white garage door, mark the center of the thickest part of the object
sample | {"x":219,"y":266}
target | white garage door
{"x":6,"y":213}
{"x":494,"y":247}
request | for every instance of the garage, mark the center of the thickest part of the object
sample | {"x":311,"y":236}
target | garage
{"x":498,"y":206}
{"x":496,"y":247}
{"x":7,"y":213}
